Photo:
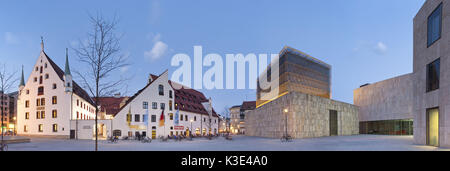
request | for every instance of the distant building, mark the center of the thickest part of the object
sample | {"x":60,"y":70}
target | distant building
{"x":235,"y":112}
{"x":303,"y":98}
{"x":4,"y":104}
{"x":110,"y":106}
{"x":238,"y":116}
{"x":245,"y":107}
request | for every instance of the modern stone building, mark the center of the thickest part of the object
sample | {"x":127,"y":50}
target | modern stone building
{"x":298,"y":72}
{"x":431,"y":68}
{"x":385,"y":107}
{"x":302,"y":103}
{"x":423,"y":95}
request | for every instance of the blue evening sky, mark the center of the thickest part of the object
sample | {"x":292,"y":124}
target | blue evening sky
{"x":364,"y":41}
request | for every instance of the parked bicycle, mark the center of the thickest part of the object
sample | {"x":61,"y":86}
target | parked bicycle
{"x":113,"y":139}
{"x":163,"y":138}
{"x":286,"y":138}
{"x":146,"y":140}
{"x":4,"y":147}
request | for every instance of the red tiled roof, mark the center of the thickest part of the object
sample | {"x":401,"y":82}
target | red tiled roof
{"x":190,"y":100}
{"x":110,"y":105}
{"x":76,"y":88}
{"x":249,"y":105}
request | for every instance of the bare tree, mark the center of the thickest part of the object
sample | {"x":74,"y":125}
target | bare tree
{"x":101,"y":54}
{"x":226,"y":115}
{"x":7,"y":81}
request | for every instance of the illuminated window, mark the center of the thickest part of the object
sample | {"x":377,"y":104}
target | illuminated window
{"x":54,"y":100}
{"x":27,"y":115}
{"x":25,"y":128}
{"x":171,"y":116}
{"x":55,"y":127}
{"x":38,"y":102}
{"x":41,"y":128}
{"x":54,"y":114}
{"x":170,"y":105}
{"x":38,"y":115}
{"x":42,"y":114}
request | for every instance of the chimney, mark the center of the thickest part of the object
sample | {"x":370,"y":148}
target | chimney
{"x":117,"y":95}
{"x":150,"y":78}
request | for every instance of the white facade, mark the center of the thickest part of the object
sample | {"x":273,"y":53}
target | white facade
{"x":48,"y":112}
{"x":150,"y":94}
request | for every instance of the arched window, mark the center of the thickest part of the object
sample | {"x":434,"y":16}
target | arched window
{"x":161,"y":90}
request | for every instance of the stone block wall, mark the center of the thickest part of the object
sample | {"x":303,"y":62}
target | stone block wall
{"x":390,"y":99}
{"x":307,"y":117}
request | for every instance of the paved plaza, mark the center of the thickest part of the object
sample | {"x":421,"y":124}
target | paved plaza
{"x":239,"y":143}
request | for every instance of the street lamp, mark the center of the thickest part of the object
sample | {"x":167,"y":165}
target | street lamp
{"x":190,"y":132}
{"x":15,"y":122}
{"x":286,"y":137}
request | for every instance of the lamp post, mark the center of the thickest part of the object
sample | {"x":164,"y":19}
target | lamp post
{"x":286,"y":137}
{"x":190,"y":132}
{"x":15,"y":122}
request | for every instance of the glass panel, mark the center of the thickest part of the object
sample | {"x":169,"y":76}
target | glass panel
{"x":433,"y":127}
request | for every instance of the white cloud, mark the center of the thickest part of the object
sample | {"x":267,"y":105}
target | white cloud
{"x":158,"y":50}
{"x":10,"y":38}
{"x":381,"y":48}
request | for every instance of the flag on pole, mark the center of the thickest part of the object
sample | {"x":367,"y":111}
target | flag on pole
{"x":161,"y":119}
{"x":129,"y":116}
{"x":176,"y":121}
{"x":145,"y":117}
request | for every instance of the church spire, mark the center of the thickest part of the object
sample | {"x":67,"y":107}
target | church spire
{"x":67,"y":69}
{"x":42,"y":44}
{"x":22,"y":80}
